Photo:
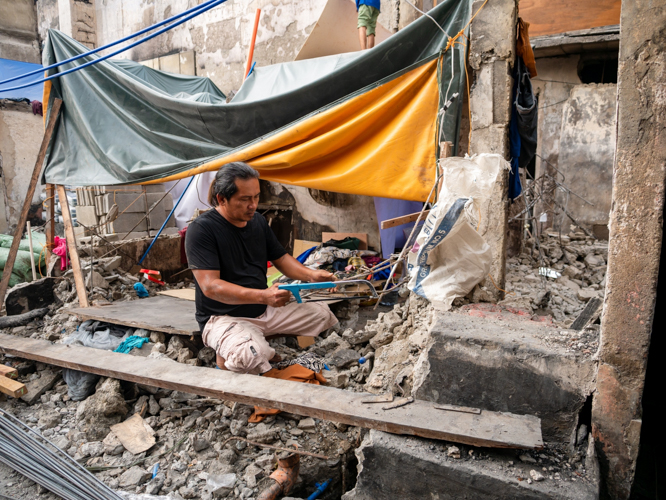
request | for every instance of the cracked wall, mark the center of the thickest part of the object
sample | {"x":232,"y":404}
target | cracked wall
{"x":20,"y":140}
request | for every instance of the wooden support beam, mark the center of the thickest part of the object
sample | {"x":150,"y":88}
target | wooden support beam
{"x":23,"y":217}
{"x":421,"y":418}
{"x":403,"y":219}
{"x":50,"y":220}
{"x":12,"y":388}
{"x":71,"y":246}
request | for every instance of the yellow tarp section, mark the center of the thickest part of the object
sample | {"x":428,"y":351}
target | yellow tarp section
{"x":379,"y":143}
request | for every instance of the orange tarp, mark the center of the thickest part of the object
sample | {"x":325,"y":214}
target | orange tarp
{"x":379,"y":143}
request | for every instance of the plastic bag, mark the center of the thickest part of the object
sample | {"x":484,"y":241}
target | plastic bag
{"x":449,"y":257}
{"x":80,"y":385}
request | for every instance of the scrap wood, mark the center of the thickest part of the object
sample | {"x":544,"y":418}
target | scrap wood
{"x":385,"y":398}
{"x":490,"y":429}
{"x":464,"y":409}
{"x":23,"y":319}
{"x":588,"y":315}
{"x":12,"y":387}
{"x":398,"y":403}
{"x":404,"y":219}
{"x":135,"y":434}
{"x":8,"y":371}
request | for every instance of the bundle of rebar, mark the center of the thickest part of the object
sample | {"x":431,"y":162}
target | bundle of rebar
{"x":29,"y":453}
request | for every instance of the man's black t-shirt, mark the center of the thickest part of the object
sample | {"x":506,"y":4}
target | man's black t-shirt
{"x":239,"y":253}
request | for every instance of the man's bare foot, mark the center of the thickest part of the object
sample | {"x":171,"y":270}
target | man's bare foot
{"x":275,"y":359}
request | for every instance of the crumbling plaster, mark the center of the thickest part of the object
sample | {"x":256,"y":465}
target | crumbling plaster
{"x":18,"y":34}
{"x":18,"y":152}
{"x":636,"y":228}
{"x":491,"y":59}
{"x":576,"y":135}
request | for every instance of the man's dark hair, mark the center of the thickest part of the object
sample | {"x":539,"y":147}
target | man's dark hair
{"x":224,"y":183}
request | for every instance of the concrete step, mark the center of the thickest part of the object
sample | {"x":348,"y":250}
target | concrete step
{"x":506,"y":363}
{"x":397,"y":467}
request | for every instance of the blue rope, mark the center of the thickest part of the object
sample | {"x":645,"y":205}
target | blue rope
{"x":109,"y":45}
{"x":215,"y":3}
{"x":167,"y":220}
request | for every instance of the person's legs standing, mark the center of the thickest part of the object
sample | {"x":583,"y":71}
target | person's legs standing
{"x":364,"y":21}
{"x":362,"y":38}
{"x":371,"y":27}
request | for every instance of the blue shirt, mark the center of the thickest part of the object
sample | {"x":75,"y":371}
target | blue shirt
{"x":371,"y":3}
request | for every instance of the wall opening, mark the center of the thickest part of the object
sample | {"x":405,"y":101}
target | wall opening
{"x":598,"y":67}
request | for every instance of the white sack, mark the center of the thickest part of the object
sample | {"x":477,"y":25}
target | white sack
{"x":449,"y":257}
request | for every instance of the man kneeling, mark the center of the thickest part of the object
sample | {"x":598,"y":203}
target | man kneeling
{"x":228,"y":249}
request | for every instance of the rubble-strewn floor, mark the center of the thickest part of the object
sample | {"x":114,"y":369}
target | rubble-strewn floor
{"x":190,"y":431}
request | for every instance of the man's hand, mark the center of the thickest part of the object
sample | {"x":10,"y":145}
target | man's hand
{"x":321,"y":275}
{"x":276,"y":298}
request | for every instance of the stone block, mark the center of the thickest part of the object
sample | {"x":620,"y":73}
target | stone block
{"x":127,"y":202}
{"x":39,"y":386}
{"x":389,"y":466}
{"x":86,"y":215}
{"x":505,"y":365}
{"x":127,"y":222}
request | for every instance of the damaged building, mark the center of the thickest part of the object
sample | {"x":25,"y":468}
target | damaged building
{"x":478,"y":200}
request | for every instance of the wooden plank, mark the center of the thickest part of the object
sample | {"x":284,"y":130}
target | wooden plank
{"x":8,"y":371}
{"x":71,"y":246}
{"x":50,"y":220}
{"x":23,"y":217}
{"x":182,"y":293}
{"x":491,"y":429}
{"x":161,"y":314}
{"x":548,"y":17}
{"x":12,"y":388}
{"x":341,"y":236}
{"x":588,"y":315}
{"x":403,"y":219}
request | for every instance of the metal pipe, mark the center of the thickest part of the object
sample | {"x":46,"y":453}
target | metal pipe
{"x":250,"y":55}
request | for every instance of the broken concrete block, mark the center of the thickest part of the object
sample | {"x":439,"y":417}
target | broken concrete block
{"x":40,"y":385}
{"x":586,"y":294}
{"x":504,"y":366}
{"x":103,"y":409}
{"x":87,"y":216}
{"x":387,"y":460}
{"x":220,"y":485}
{"x":134,"y":477}
{"x":343,"y":358}
{"x":97,"y":280}
{"x":25,"y":297}
{"x":128,"y":222}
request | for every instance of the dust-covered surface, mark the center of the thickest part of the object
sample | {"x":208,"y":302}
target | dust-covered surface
{"x":191,"y":433}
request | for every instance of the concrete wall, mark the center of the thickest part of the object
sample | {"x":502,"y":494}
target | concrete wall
{"x":18,"y":33}
{"x":576,"y":136}
{"x":492,"y":52}
{"x":21,"y":133}
{"x":636,"y":230}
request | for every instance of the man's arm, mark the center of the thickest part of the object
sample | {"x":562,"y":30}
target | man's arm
{"x":217,"y":289}
{"x":293,"y":269}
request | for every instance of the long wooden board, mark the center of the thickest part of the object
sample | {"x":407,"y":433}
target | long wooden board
{"x":161,"y":314}
{"x":403,"y":219}
{"x":491,"y":429}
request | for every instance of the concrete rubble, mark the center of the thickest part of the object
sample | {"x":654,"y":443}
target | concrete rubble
{"x":478,"y":354}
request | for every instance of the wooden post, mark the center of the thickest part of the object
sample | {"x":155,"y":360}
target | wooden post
{"x":23,"y":218}
{"x":71,"y":245}
{"x":50,"y":221}
{"x":32,"y":254}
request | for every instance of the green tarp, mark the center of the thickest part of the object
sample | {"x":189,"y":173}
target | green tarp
{"x":126,"y":123}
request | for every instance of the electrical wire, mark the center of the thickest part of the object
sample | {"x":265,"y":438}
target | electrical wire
{"x":103,"y":58}
{"x":109,"y":45}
